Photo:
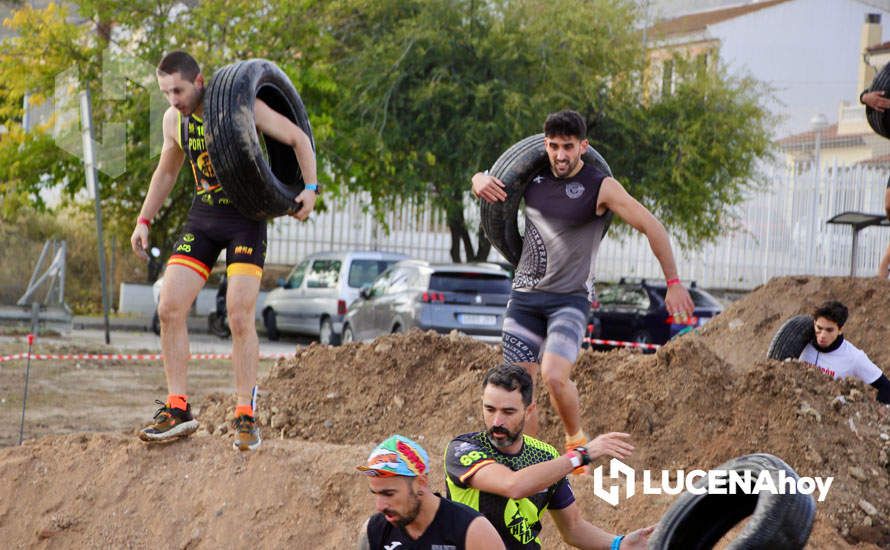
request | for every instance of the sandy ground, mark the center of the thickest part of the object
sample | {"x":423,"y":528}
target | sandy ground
{"x":701,"y":400}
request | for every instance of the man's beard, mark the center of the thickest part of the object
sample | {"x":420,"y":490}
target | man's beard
{"x":510,"y":439}
{"x":411,"y":515}
{"x":570,"y":167}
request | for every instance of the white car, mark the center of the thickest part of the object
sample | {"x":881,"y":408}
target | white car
{"x":314,"y":297}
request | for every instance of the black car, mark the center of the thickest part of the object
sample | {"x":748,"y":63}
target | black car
{"x":635,"y":312}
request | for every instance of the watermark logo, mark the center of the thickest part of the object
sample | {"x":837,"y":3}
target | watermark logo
{"x":700,"y":482}
{"x":109,"y":143}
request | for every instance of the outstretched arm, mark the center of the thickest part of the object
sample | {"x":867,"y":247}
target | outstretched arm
{"x":280,"y":128}
{"x":614,"y":197}
{"x":580,"y":533}
{"x":491,"y":477}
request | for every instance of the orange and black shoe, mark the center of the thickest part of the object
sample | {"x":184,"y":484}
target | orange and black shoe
{"x":169,"y":423}
{"x":247,"y":434}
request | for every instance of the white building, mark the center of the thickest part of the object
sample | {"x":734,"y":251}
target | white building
{"x":807,"y":51}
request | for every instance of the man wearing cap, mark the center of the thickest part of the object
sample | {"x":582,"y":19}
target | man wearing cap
{"x":512,"y":478}
{"x":409,"y":515}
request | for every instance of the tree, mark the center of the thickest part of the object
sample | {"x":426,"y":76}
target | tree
{"x":435,"y":90}
{"x":50,"y":41}
{"x":688,"y":156}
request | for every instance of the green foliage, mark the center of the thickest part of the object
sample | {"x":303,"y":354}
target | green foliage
{"x":408,"y":98}
{"x":688,"y":156}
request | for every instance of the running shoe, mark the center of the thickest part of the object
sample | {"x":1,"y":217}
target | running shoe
{"x":247,"y":434}
{"x":169,"y":423}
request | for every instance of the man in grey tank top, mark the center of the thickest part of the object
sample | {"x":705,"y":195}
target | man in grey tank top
{"x":565,"y":212}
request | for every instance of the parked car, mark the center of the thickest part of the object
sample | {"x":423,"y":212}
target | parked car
{"x":313,"y":298}
{"x":442,"y":297}
{"x":636,"y":312}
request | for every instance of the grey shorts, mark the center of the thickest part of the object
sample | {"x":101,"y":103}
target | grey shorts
{"x":557,"y":321}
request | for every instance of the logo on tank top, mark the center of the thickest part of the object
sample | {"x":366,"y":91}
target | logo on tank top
{"x":574,"y":190}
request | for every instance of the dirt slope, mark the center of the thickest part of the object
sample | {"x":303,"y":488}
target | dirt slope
{"x":701,"y":400}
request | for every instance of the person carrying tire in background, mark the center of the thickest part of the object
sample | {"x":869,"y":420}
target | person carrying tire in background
{"x":565,"y":212}
{"x":879,"y":103}
{"x":837,"y":357}
{"x":213,"y":224}
{"x":409,"y":514}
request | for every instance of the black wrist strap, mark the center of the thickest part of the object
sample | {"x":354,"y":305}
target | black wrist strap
{"x":585,"y":456}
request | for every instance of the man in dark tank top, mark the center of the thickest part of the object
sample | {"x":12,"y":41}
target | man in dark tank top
{"x":565,"y":216}
{"x":409,"y":515}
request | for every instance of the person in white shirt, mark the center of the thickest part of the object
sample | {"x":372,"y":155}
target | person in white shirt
{"x":836,"y":356}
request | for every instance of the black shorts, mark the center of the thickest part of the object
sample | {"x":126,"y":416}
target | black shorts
{"x":539,"y":319}
{"x":207,"y":233}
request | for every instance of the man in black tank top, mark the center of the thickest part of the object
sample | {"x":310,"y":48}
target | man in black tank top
{"x":213,"y":225}
{"x":565,"y":216}
{"x":409,"y":515}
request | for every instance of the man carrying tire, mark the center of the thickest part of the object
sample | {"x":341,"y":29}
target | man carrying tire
{"x":213,"y":224}
{"x":837,"y":357}
{"x":512,"y":478}
{"x":566,"y":207}
{"x":879,"y":103}
{"x":409,"y":515}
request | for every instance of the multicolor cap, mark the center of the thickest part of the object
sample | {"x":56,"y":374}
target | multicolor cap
{"x":397,"y":456}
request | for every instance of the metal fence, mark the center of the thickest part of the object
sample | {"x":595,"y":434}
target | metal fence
{"x":779,"y":230}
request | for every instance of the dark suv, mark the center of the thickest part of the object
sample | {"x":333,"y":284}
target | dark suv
{"x":635,"y":312}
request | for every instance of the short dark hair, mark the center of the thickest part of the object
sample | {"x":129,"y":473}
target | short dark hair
{"x":511,"y":378}
{"x":180,"y":62}
{"x":565,"y":123}
{"x":833,"y":311}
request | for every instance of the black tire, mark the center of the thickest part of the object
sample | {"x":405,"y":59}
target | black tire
{"x":791,"y":338}
{"x":879,"y":121}
{"x":514,"y":168}
{"x":260,"y":187}
{"x":270,"y":321}
{"x":777,"y":522}
{"x":326,"y":334}
{"x":156,"y":323}
{"x":348,"y":336}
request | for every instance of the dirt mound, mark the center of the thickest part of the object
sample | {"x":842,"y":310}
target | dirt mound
{"x":701,"y":400}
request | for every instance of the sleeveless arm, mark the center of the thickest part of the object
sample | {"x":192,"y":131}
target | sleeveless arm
{"x":164,"y":176}
{"x":481,"y":535}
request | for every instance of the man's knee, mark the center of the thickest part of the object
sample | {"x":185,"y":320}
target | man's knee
{"x":171,"y":311}
{"x":556,"y":379}
{"x":241,"y":321}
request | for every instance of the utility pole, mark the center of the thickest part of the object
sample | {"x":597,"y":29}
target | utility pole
{"x":92,"y":177}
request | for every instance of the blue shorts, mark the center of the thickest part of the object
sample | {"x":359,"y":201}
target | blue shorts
{"x":534,"y":318}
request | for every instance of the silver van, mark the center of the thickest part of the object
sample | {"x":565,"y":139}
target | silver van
{"x":313,"y":298}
